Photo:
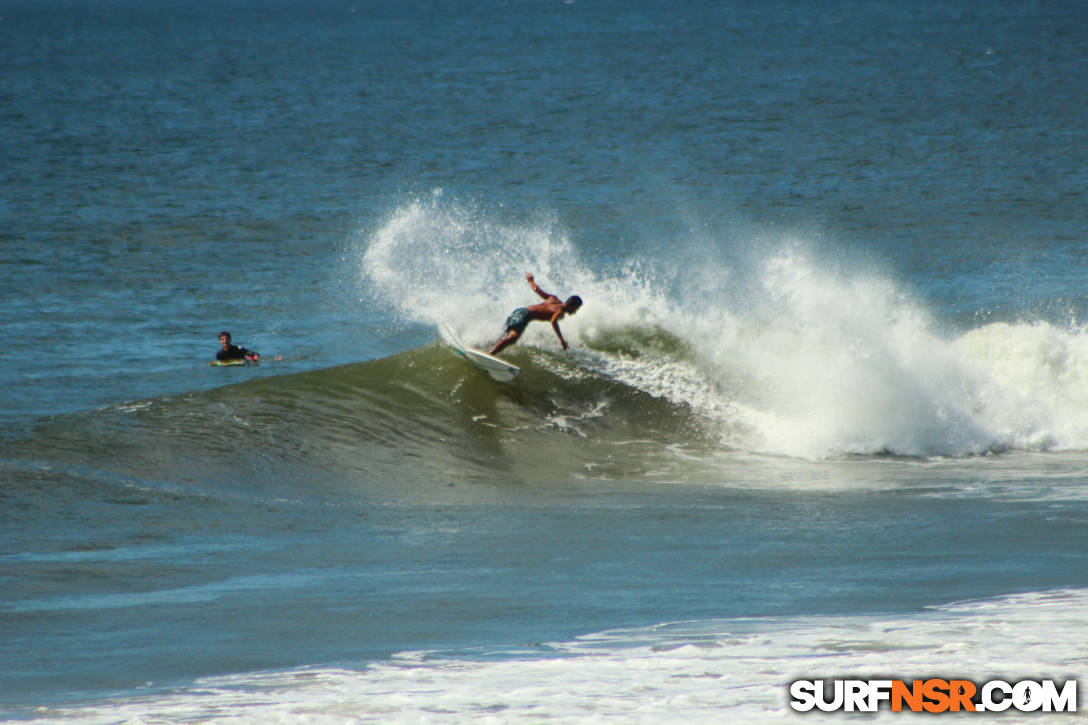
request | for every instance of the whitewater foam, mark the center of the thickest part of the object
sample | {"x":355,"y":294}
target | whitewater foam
{"x":1036,"y":386}
{"x":700,"y":671}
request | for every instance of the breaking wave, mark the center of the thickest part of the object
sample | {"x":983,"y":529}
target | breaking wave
{"x":785,"y":354}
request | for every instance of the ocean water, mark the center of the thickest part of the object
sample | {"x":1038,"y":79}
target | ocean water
{"x":825,"y":411}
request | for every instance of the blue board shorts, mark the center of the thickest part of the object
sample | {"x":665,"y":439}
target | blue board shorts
{"x":518,"y":320}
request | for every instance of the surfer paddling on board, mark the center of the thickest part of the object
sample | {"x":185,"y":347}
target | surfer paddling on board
{"x":551,"y":309}
{"x":229,"y":352}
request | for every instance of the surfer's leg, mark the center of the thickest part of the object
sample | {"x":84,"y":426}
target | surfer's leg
{"x":515,"y":325}
{"x":511,"y":337}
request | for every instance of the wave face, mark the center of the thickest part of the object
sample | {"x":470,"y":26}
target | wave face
{"x":415,"y":418}
{"x":775,"y":350}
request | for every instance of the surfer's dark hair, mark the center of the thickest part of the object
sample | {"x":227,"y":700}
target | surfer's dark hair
{"x":224,"y":332}
{"x":574,"y":301}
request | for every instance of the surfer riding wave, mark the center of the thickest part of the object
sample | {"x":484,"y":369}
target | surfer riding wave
{"x":551,"y":309}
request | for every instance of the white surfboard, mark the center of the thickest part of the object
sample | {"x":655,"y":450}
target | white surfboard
{"x":500,"y":370}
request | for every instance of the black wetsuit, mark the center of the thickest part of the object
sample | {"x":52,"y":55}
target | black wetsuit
{"x":233,"y":353}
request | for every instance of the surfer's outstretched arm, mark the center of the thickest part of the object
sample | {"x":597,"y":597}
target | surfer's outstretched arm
{"x":536,"y":288}
{"x":555,"y":326}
